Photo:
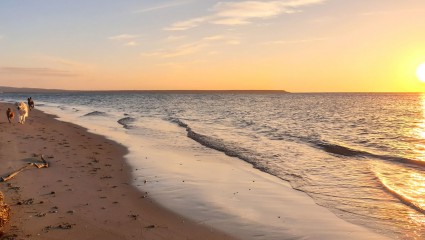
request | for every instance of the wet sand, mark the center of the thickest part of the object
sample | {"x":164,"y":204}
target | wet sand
{"x":86,"y":192}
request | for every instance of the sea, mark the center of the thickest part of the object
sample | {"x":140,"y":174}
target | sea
{"x":359,"y":155}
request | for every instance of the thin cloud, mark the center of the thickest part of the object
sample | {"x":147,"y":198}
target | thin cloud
{"x":132,"y":43}
{"x":392,"y":12}
{"x":224,"y":39}
{"x":248,"y":9}
{"x":37,"y":71}
{"x":174,"y":38}
{"x":192,"y":48}
{"x":75,"y":68}
{"x":282,"y":42}
{"x":122,"y":37}
{"x":214,"y":38}
{"x":244,"y":12}
{"x":184,"y":25}
{"x":301,"y":3}
{"x":61,"y":61}
{"x":164,"y":6}
{"x":183,"y":50}
{"x":126,"y":39}
{"x":231,"y":21}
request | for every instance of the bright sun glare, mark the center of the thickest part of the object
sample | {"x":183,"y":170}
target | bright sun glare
{"x":421,"y":72}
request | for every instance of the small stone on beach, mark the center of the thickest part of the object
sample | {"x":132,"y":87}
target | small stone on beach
{"x":26,"y":202}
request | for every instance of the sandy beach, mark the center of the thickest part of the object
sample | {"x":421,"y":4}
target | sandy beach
{"x":86,"y":192}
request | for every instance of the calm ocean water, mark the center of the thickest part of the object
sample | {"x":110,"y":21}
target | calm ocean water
{"x":362,"y":156}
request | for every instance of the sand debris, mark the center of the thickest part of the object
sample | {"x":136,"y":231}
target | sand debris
{"x":9,"y":237}
{"x":62,"y":226}
{"x":26,"y":202}
{"x":40,"y":214}
{"x":133,"y":216}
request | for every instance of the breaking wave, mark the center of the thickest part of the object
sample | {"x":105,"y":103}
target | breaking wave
{"x":351,"y":152}
{"x":219,"y":145}
{"x":410,"y":201}
{"x":126,"y":122}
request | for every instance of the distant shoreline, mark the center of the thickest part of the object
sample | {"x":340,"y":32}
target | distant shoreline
{"x":42,"y":90}
{"x":4,"y":89}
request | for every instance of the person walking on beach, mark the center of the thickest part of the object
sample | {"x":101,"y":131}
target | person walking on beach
{"x":30,"y":103}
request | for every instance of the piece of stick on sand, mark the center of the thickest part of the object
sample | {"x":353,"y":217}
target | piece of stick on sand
{"x":44,"y":164}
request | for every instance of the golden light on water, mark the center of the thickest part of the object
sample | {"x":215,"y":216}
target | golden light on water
{"x":417,"y":181}
{"x":418,"y":133}
{"x":406,"y":184}
{"x":411,"y":187}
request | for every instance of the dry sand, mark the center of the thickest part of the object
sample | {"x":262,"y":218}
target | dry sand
{"x":86,"y":193}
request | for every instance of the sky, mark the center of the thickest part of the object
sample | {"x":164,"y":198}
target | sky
{"x":292,"y":45}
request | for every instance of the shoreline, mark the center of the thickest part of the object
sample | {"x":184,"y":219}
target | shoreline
{"x":216,"y":191}
{"x":86,"y":193}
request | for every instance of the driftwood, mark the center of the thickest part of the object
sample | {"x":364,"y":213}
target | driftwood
{"x":44,"y":164}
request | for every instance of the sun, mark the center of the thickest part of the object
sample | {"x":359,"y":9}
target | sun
{"x":420,"y":72}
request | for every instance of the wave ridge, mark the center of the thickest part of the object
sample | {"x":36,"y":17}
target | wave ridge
{"x":95,"y":114}
{"x":351,"y":152}
{"x":219,"y":145}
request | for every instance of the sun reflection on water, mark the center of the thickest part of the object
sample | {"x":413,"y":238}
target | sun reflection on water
{"x":418,"y":134}
{"x":407,"y":184}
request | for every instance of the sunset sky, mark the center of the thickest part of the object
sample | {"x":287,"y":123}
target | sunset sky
{"x":294,"y":45}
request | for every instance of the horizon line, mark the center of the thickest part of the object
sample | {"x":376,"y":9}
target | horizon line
{"x":6,"y":89}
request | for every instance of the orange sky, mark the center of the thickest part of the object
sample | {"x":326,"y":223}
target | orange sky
{"x":297,"y":45}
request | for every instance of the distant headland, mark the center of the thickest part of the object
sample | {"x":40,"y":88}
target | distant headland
{"x":43,"y":90}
